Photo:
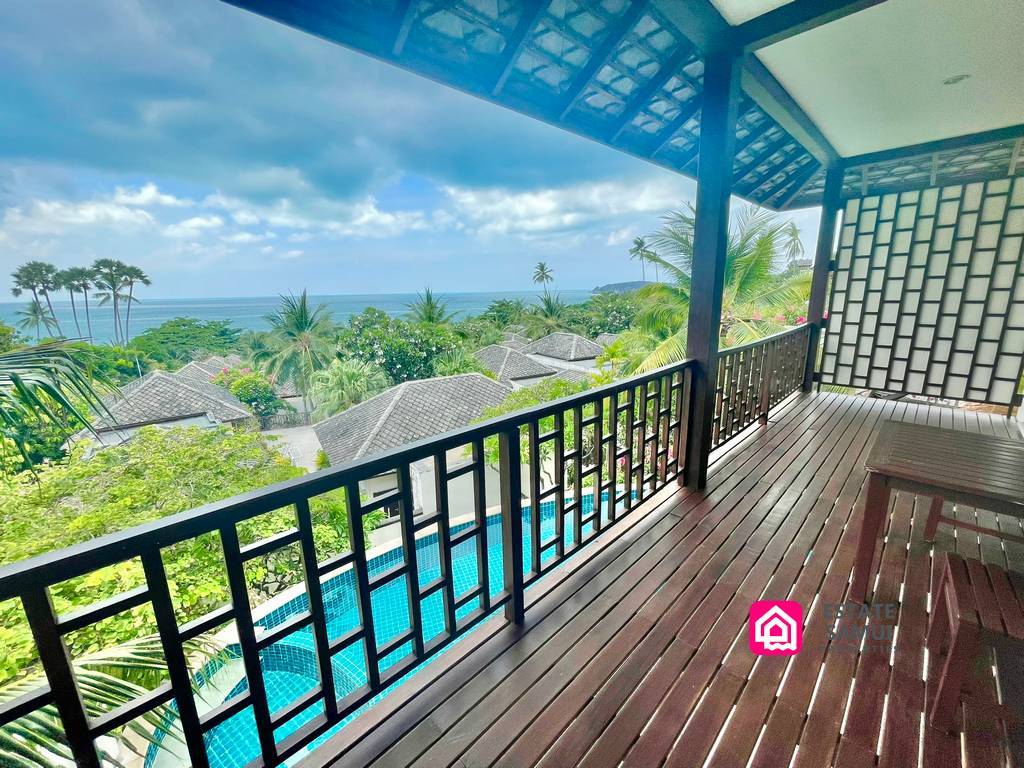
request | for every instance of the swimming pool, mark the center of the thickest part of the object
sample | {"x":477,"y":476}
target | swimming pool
{"x":290,"y":666}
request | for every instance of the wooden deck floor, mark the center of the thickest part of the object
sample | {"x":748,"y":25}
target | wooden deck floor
{"x":639,"y":656}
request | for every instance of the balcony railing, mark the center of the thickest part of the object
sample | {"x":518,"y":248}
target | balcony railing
{"x":612,"y":447}
{"x":754,"y":377}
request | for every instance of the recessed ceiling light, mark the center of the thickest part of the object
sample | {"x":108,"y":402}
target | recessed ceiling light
{"x":955,"y":79}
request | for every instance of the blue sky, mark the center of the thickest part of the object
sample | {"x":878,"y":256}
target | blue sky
{"x":229,"y":155}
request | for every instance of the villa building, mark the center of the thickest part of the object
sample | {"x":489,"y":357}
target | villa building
{"x":407,"y":413}
{"x":166,"y":400}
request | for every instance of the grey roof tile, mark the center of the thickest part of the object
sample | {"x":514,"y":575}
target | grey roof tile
{"x":403,"y":414}
{"x":565,"y":346}
{"x":509,"y":365}
{"x":160,"y":396}
{"x":606,"y":339}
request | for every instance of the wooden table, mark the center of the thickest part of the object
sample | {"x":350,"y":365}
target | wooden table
{"x":964,"y":467}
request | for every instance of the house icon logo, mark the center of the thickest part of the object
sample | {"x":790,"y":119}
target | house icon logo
{"x":776,"y":628}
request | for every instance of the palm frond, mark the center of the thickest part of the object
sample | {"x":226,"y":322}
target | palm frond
{"x":107,"y":680}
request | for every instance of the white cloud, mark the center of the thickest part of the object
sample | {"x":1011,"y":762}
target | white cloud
{"x":293,"y":254}
{"x":148,"y":194}
{"x":248,"y":237}
{"x":497,"y":211}
{"x":619,"y":236}
{"x":50,"y":217}
{"x":194,"y":227}
{"x":245,"y":218}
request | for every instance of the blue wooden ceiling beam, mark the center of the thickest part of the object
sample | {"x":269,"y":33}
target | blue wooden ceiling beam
{"x":404,"y":16}
{"x":793,"y":18}
{"x":603,"y":53}
{"x":532,"y":12}
{"x":701,"y":22}
{"x":644,"y":95}
{"x":1008,"y":133}
{"x":793,"y":189}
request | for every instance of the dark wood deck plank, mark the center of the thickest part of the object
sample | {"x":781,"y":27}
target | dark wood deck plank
{"x":694,"y":515}
{"x":637,"y":654}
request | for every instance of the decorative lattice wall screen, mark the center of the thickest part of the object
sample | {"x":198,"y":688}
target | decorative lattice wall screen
{"x":927,"y":294}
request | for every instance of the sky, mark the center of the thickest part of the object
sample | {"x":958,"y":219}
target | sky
{"x":228,"y":155}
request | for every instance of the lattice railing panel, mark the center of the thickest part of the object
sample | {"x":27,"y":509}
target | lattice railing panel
{"x":928,"y":293}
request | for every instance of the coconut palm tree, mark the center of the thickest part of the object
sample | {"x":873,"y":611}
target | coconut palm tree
{"x":542,"y":274}
{"x":34,"y":318}
{"x":754,"y":295}
{"x":427,"y":309}
{"x":300,"y":339}
{"x":108,"y":276}
{"x":106,"y":680}
{"x":345,"y":383}
{"x":132,"y":275}
{"x":40,"y":278}
{"x":639,"y":252}
{"x":79,"y":280}
{"x":548,"y":316}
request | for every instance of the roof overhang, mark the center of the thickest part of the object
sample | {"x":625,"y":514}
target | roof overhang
{"x":629,"y":73}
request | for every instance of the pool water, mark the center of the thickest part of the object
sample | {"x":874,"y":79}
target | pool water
{"x":290,"y":667}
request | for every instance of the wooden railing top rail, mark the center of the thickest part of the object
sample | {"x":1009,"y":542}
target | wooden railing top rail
{"x":71,"y":562}
{"x":765,"y":340}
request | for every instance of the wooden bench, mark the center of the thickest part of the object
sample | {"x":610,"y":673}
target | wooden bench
{"x":977,"y":628}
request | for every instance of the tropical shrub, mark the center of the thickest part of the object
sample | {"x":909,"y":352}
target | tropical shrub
{"x":252,"y":388}
{"x":403,"y":350}
{"x":504,"y":312}
{"x":156,"y":474}
{"x":345,"y":383}
{"x":176,"y":342}
{"x":9,"y":338}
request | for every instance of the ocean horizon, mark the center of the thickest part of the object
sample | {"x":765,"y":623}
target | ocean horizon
{"x":249,"y":312}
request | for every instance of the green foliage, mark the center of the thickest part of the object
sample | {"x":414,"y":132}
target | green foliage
{"x":427,"y":309}
{"x":458,"y":361}
{"x":403,"y":350}
{"x":345,"y":383}
{"x":603,"y":313}
{"x":542,"y":274}
{"x":549,"y":315}
{"x":42,"y":386}
{"x":322,"y":460}
{"x":9,"y":338}
{"x":756,"y":300}
{"x":479,"y":331}
{"x":299,"y":341}
{"x":504,"y":312}
{"x":157,"y":473}
{"x":252,"y":388}
{"x":118,"y":365}
{"x":530,"y":397}
{"x":183,"y":339}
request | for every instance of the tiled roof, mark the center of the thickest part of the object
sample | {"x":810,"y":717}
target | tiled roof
{"x":565,"y":346}
{"x":161,"y":396}
{"x":509,"y":365}
{"x":606,"y":339}
{"x":406,"y":413}
{"x":204,"y":370}
{"x":574,"y":375}
{"x":199,"y":370}
{"x":516,"y":345}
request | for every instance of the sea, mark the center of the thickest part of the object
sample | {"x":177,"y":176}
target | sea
{"x":249,"y":312}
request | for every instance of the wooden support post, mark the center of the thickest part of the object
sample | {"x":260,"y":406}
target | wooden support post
{"x":823,"y":253}
{"x":512,"y":523}
{"x":711,"y":231}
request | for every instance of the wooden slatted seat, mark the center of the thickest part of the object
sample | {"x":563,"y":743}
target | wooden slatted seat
{"x":977,"y":629}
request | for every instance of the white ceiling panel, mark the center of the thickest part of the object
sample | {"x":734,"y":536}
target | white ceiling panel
{"x":876,"y":79}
